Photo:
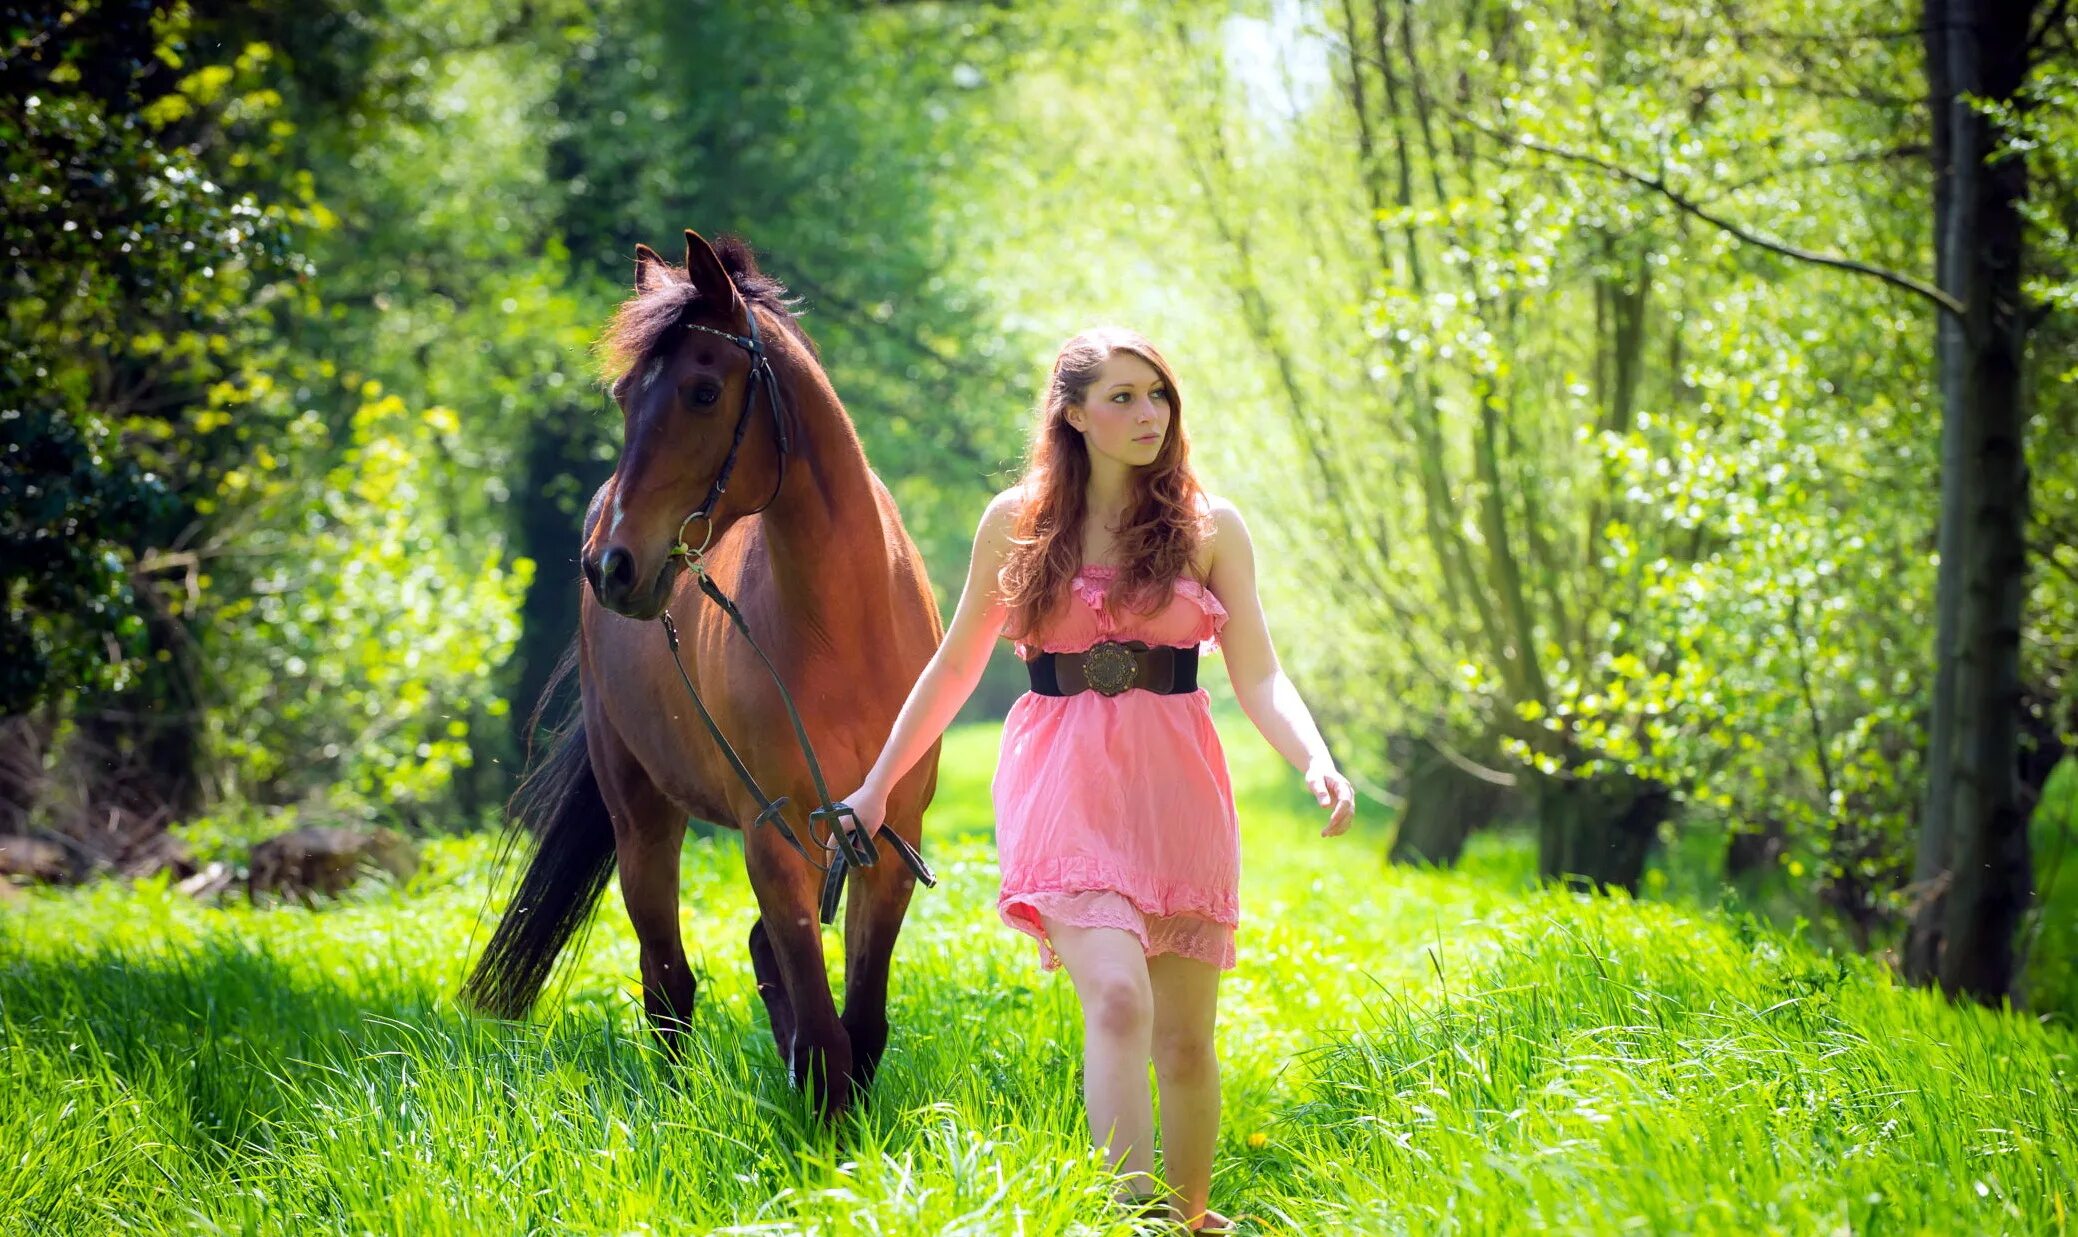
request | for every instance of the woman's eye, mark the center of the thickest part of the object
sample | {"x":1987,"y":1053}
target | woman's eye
{"x":1159,"y":394}
{"x":1123,"y":397}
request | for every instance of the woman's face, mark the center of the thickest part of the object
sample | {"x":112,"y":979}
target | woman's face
{"x":1126,"y":413}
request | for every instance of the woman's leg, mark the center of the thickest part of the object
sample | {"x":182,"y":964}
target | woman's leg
{"x":1186,"y":993}
{"x":1111,"y":980}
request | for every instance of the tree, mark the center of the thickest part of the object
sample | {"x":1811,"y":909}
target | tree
{"x":1975,"y":831}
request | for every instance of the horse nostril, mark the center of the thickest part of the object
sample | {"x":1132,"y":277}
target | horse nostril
{"x":616,"y":572}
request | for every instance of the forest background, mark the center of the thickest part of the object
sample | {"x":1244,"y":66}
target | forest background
{"x":1658,"y":423}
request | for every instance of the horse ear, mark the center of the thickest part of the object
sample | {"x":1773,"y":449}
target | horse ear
{"x":649,"y":268}
{"x":708,"y":274}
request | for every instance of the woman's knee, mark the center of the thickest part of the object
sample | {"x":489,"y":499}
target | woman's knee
{"x":1185,"y":1055}
{"x":1117,"y":1004}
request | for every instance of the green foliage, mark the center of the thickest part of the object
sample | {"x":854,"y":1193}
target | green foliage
{"x":1749,"y":662}
{"x":212,"y":488}
{"x":2049,"y":938}
{"x":136,"y":282}
{"x":71,"y":510}
{"x":352,"y":652}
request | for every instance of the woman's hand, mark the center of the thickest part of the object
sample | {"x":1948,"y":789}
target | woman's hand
{"x":1333,"y":792}
{"x":870,"y":804}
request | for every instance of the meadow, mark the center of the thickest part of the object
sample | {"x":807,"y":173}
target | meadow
{"x":1404,"y":1051}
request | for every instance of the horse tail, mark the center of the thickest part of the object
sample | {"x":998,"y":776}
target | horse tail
{"x":559,"y":803}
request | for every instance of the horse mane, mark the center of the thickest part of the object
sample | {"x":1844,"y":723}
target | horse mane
{"x":643,"y":321}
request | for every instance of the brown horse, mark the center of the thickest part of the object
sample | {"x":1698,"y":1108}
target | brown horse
{"x":807,"y":541}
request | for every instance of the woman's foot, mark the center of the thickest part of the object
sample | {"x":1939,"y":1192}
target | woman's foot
{"x":1151,"y":1208}
{"x":1155,"y":1207}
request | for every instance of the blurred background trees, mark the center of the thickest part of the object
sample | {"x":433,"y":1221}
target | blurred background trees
{"x":1583,"y":370}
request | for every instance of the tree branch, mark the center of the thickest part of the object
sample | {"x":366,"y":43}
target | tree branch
{"x":1735,"y":35}
{"x":1895,"y":279}
{"x":1911,"y":150}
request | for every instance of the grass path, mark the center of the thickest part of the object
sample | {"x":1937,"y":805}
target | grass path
{"x":1403,"y":1052}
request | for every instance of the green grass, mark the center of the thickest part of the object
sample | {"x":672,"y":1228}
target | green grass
{"x":1403,"y":1052}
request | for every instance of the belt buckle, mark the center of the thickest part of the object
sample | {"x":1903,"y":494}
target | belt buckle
{"x":1109,"y":667}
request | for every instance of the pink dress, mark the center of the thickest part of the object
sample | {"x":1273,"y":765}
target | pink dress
{"x":1116,"y":811}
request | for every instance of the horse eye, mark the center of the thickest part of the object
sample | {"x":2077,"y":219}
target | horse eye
{"x":705,"y":393}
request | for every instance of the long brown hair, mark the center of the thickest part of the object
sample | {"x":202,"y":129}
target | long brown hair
{"x":1161,"y":530}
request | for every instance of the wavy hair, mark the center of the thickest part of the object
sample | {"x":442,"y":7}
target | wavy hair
{"x":1162,"y":527}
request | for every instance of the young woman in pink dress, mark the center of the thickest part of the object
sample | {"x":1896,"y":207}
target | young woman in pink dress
{"x":1112,"y":570}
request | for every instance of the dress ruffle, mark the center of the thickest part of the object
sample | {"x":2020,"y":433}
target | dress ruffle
{"x":1070,"y":873}
{"x":1190,"y":936}
{"x":1091,"y":590}
{"x":1074,"y":628}
{"x":1086,"y":586}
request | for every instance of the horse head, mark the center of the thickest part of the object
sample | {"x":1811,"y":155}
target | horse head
{"x":703,"y":423}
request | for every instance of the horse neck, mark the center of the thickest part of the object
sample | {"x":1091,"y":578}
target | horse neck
{"x":823,"y":528}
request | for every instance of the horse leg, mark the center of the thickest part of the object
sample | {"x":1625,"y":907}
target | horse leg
{"x":811,"y":1039}
{"x":648,"y":830}
{"x":765,"y":964}
{"x":878,"y":900}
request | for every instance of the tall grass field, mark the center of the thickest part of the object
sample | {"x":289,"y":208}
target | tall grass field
{"x":1403,"y":1052}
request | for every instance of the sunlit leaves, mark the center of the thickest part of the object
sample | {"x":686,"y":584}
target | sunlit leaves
{"x":136,"y":280}
{"x":368,"y":633}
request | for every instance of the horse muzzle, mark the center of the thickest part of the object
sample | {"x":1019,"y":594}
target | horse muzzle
{"x":616,"y":585}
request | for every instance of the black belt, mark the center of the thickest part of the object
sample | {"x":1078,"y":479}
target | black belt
{"x":1112,"y":666}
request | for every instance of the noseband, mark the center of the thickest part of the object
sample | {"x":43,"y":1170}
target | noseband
{"x":846,"y":845}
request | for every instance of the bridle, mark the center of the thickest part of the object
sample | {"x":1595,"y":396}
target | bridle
{"x":760,"y":372}
{"x":848,"y":846}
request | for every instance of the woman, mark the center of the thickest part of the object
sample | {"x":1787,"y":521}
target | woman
{"x":1115,"y":820}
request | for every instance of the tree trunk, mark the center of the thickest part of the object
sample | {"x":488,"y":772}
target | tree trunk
{"x":1445,"y":802}
{"x":1989,"y":876}
{"x":1594,"y":833}
{"x":560,"y":477}
{"x":1753,"y":852}
{"x":1922,"y":949}
{"x":1622,"y":293}
{"x":563,"y":466}
{"x":1417,"y":387}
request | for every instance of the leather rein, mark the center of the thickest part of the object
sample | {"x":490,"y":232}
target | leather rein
{"x":846,"y":845}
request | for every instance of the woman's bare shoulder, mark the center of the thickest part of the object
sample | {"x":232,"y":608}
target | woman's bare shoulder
{"x":1221,"y":520}
{"x":1003,"y":508}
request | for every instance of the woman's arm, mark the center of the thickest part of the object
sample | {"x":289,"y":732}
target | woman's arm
{"x":1265,"y":693}
{"x":949,"y":677}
